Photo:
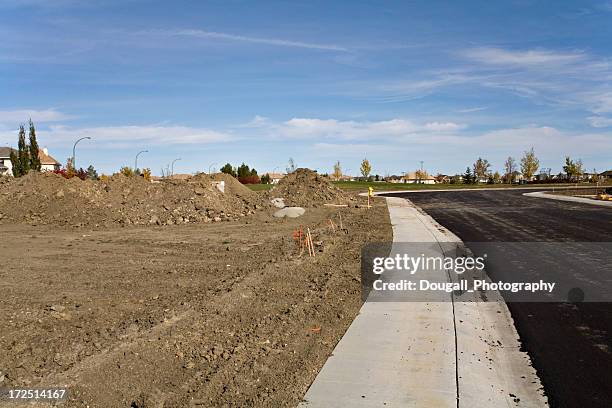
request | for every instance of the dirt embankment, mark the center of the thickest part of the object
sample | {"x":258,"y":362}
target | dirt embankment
{"x":46,"y":198}
{"x":306,"y":188}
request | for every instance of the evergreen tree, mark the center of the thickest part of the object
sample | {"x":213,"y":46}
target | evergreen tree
{"x":15,"y":164}
{"x":467,"y":177}
{"x":23,"y":155}
{"x":34,"y":159}
{"x":228,"y":169}
{"x":92,"y":174}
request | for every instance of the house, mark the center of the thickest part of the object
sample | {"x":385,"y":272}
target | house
{"x":6,"y":167}
{"x":415,"y":178}
{"x":606,"y":175}
{"x":393,"y":179}
{"x":47,"y":163}
{"x":443,"y":178}
{"x":276,"y":177}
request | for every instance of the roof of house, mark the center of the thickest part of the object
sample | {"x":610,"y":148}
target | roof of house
{"x":413,"y":176}
{"x":606,"y":173}
{"x":5,"y":152}
{"x":276,"y":175}
{"x":46,"y":159}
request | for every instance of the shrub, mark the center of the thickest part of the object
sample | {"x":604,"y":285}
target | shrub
{"x":126,"y":171}
{"x":70,"y":173}
{"x":249,"y":180}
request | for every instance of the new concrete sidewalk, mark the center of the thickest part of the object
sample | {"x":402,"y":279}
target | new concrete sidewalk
{"x":427,"y":354}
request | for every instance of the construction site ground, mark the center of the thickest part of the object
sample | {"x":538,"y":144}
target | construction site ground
{"x":208,"y":314}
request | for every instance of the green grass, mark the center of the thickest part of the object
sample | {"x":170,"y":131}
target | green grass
{"x":259,"y":187}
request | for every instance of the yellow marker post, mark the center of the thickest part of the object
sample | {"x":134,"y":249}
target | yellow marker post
{"x":370,"y":194}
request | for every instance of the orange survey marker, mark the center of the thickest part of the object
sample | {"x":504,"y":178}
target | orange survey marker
{"x":332,"y":225}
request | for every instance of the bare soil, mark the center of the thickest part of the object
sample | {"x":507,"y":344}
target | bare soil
{"x":208,"y":314}
{"x":306,"y":188}
{"x":47,"y":198}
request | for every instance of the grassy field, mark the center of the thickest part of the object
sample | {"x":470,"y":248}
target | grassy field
{"x":384,"y":186}
{"x":259,"y":187}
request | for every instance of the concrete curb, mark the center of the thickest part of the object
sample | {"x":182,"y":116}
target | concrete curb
{"x":427,"y":354}
{"x":543,"y":194}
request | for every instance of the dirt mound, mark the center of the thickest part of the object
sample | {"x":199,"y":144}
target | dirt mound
{"x":305,"y":188}
{"x":46,"y":198}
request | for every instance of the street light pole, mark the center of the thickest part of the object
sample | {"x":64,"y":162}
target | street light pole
{"x":74,"y":151}
{"x":136,"y":159}
{"x":172,"y":166}
{"x":209,"y":167}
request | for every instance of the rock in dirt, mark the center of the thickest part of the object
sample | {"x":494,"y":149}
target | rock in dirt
{"x":290,"y":212}
{"x":278,"y":202}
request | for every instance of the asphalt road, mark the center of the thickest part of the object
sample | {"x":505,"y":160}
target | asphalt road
{"x":570,"y":343}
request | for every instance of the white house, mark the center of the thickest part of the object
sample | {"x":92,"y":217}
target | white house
{"x":276,"y":177}
{"x":6,"y":168}
{"x":47,"y":163}
{"x":413,"y":178}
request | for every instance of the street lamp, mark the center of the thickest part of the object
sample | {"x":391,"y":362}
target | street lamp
{"x":209,"y":167}
{"x":136,"y":159}
{"x":172,"y":166}
{"x":74,"y":151}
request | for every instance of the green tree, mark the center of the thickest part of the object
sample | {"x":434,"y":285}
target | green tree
{"x":92,"y":174}
{"x":228,"y":169}
{"x":21,"y":160}
{"x":243,"y":170}
{"x":34,"y":158}
{"x":15,"y":164}
{"x":573,"y":169}
{"x":468,"y":178}
{"x":266,"y":179}
{"x":366,"y":168}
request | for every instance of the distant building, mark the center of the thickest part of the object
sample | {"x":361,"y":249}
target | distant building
{"x":6,"y":167}
{"x":276,"y":177}
{"x":443,"y":178}
{"x":606,"y":175}
{"x":414,"y":178}
{"x":47,"y":163}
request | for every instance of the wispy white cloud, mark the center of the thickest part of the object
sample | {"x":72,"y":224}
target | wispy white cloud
{"x":333,"y":129}
{"x":470,"y":110}
{"x":215,"y":35}
{"x":105,"y":136}
{"x":12,"y":117}
{"x":599,"y":121}
{"x":499,"y":56}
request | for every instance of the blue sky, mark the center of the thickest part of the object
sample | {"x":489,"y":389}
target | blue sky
{"x":397,"y":82}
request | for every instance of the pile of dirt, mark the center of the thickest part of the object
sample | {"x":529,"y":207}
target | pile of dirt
{"x":306,"y":188}
{"x":46,"y":198}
